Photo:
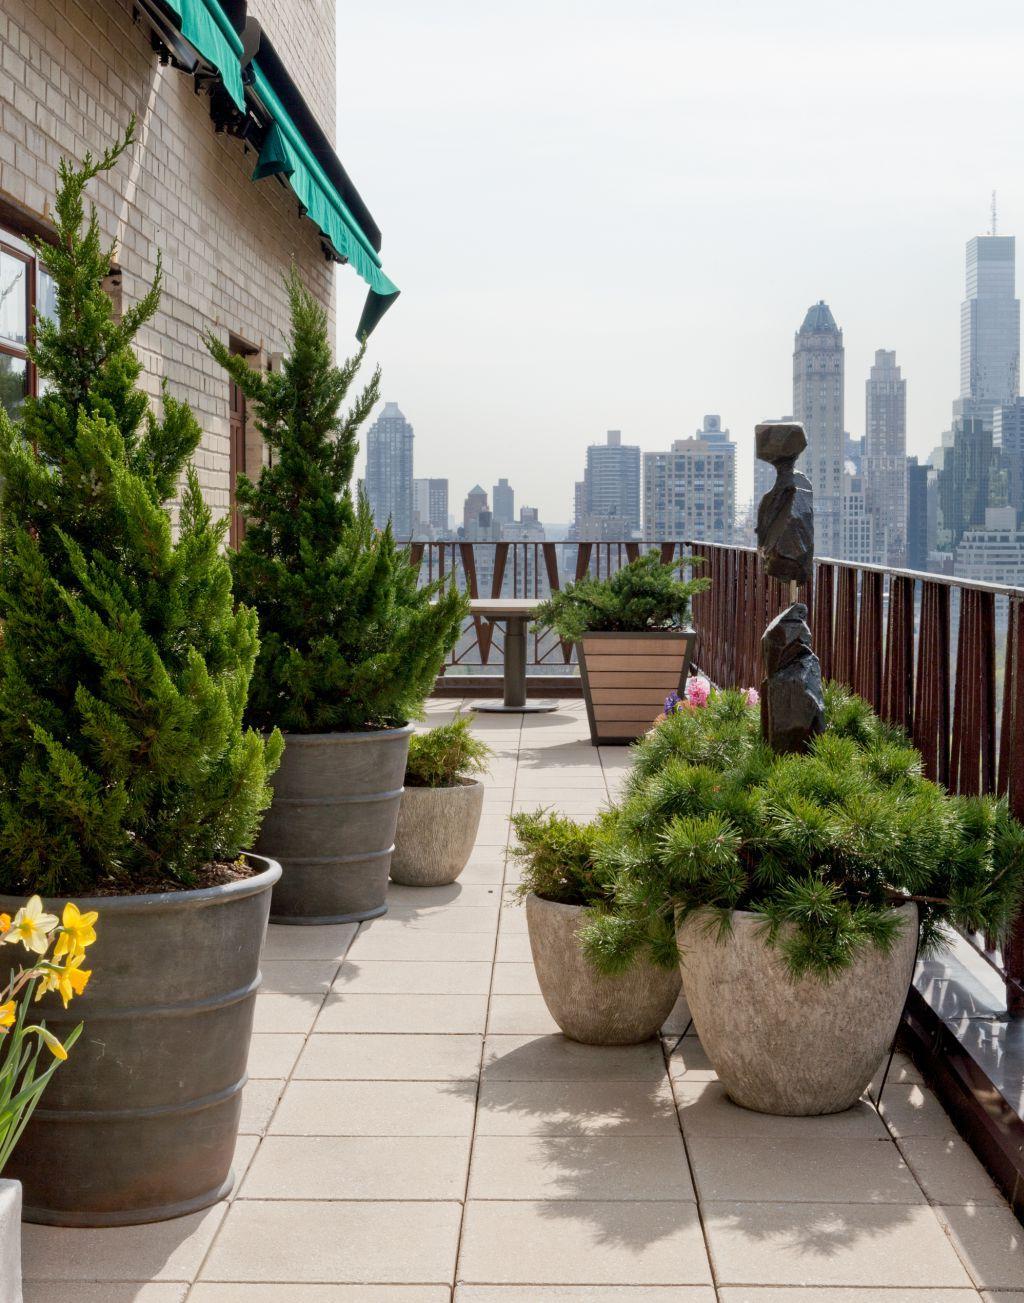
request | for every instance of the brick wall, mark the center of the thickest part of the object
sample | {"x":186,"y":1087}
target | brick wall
{"x":70,"y":75}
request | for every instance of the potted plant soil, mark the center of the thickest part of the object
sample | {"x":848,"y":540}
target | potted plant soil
{"x":127,"y":779}
{"x":565,"y":879}
{"x":441,"y":806}
{"x":29,"y":1053}
{"x":803,"y":886}
{"x":632,"y":638}
{"x":350,"y":645}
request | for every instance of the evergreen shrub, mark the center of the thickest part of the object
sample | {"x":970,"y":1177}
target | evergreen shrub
{"x":645,"y":595}
{"x":348,"y":640}
{"x":445,"y":756}
{"x":562,"y":860}
{"x":124,"y":664}
{"x":821,"y":845}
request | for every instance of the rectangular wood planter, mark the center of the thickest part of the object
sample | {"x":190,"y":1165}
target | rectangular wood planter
{"x":626,"y":678}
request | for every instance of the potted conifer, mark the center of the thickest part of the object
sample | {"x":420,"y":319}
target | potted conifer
{"x":440,"y":812}
{"x":566,"y":882}
{"x":350,"y":645}
{"x":801,"y":885}
{"x":126,"y":776}
{"x":632,"y":638}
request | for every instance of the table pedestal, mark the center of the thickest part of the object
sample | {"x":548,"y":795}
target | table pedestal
{"x":514,"y":700}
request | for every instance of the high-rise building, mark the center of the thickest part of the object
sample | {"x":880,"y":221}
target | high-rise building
{"x":711,"y":430}
{"x":818,"y":398}
{"x":883,"y":466}
{"x":389,"y":471}
{"x":611,"y":482}
{"x":992,"y":552}
{"x":965,"y":477}
{"x":690,"y":492}
{"x":1008,"y":438}
{"x":503,"y":503}
{"x":475,"y":506}
{"x":430,"y":508}
{"x":989,"y":329}
{"x":919,"y":539}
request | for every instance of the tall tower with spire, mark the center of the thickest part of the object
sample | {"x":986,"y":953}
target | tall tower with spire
{"x":989,"y":328}
{"x":818,"y":402}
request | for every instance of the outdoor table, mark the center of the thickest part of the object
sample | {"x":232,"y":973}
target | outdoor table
{"x":515,"y":613}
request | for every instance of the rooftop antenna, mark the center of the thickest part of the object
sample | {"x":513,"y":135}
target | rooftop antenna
{"x":993,"y":230}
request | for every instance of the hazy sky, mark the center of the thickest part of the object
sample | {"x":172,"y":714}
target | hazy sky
{"x":616,"y":215}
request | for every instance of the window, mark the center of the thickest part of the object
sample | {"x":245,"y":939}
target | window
{"x":25,"y":285}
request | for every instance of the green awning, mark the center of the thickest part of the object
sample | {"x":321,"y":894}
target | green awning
{"x":205,"y":26}
{"x":286,"y":154}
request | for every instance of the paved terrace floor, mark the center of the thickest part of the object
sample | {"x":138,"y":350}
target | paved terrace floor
{"x":416,"y":1131}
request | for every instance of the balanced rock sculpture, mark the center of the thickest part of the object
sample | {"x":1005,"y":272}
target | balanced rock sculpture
{"x":785,"y":518}
{"x":792,"y":704}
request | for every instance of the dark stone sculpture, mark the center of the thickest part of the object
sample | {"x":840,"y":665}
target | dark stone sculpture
{"x":785,"y":518}
{"x":792,"y":704}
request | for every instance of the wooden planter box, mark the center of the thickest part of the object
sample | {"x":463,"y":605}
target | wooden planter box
{"x":626,"y":678}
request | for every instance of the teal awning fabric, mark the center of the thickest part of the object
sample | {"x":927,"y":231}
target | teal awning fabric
{"x":205,"y":26}
{"x":286,"y":154}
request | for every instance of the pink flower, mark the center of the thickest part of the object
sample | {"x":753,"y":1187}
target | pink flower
{"x":753,"y":697}
{"x":697,"y":691}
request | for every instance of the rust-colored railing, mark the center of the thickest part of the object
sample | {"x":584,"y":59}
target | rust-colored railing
{"x":923,"y":649}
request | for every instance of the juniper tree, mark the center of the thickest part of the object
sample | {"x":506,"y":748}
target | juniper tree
{"x":821,"y":845}
{"x":349,"y":640}
{"x":124,"y":666}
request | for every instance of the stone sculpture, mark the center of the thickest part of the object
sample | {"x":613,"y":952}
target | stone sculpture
{"x":785,"y":518}
{"x":792,"y":704}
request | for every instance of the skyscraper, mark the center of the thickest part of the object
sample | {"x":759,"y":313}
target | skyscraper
{"x":918,"y":540}
{"x":690,"y":491}
{"x":1008,"y":437}
{"x":474,"y":506}
{"x":611,"y":483}
{"x":989,"y":329}
{"x":430,"y":508}
{"x":884,"y":460}
{"x":389,"y":471}
{"x":818,"y":398}
{"x":503,"y":502}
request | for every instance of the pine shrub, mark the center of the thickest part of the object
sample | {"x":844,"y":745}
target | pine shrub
{"x":645,"y":595}
{"x":348,"y":639}
{"x":445,"y":756}
{"x":124,"y":666}
{"x":822,"y":845}
{"x":563,"y":860}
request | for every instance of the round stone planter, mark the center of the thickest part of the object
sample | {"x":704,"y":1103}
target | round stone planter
{"x":801,"y":1047}
{"x":332,"y":824}
{"x":140,"y":1124}
{"x":437,"y":829}
{"x":588,"y":1006}
{"x":10,"y":1242}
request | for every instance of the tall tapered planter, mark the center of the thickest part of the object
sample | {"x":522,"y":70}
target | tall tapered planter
{"x":332,"y":824}
{"x":797,"y":1047}
{"x":626,"y":678}
{"x":141,"y":1123}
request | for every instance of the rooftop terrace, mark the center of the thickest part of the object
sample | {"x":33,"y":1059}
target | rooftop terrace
{"x":416,"y":1130}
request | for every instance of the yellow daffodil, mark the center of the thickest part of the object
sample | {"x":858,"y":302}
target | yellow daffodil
{"x":76,"y":931}
{"x":5,"y":923}
{"x":50,"y":1041}
{"x":8,"y":1015}
{"x":32,"y":927}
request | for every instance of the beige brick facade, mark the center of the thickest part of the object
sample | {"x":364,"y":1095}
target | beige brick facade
{"x":71,"y":73}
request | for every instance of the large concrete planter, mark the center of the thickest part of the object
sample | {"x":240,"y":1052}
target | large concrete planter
{"x":332,"y":824}
{"x":437,"y":828}
{"x":626,"y":678}
{"x":140,"y":1124}
{"x":588,"y":1006}
{"x":801,"y":1047}
{"x":10,"y":1242}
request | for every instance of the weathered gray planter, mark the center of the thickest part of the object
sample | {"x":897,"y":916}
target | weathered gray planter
{"x":588,"y":1006}
{"x":437,"y":828}
{"x":801,"y":1047}
{"x":140,"y":1124}
{"x":332,"y":822}
{"x":10,"y":1242}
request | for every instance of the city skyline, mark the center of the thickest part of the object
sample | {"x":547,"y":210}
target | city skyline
{"x":640,"y":313}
